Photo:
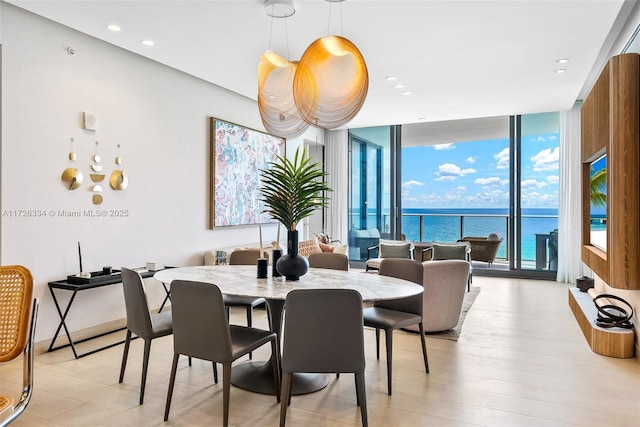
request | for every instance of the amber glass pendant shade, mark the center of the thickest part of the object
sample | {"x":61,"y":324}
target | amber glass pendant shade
{"x":275,"y":96}
{"x":330,"y":83}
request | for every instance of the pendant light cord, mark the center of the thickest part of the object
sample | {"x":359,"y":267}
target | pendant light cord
{"x":286,"y":34}
{"x":329,"y":21}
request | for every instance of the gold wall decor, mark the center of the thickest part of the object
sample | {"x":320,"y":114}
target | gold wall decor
{"x":118,"y":178}
{"x":96,"y":177}
{"x":72,"y":177}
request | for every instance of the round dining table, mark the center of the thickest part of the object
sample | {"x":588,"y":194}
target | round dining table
{"x":242,"y":280}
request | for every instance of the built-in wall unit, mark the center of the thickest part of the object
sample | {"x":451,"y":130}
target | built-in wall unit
{"x":611,"y":142}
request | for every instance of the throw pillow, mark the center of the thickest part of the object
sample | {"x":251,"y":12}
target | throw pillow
{"x":395,"y":251}
{"x":324,"y":247}
{"x":341,"y":249}
{"x":308,"y":247}
{"x":441,"y":252}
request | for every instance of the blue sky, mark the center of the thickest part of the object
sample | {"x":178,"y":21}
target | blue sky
{"x":476,"y":174}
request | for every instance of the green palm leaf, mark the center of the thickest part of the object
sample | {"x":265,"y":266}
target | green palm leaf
{"x":598,"y":188}
{"x":292,"y":190}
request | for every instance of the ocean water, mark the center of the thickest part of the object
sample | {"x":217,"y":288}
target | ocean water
{"x":450,"y":224}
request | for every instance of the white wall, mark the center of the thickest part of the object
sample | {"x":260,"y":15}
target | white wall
{"x":158,"y":115}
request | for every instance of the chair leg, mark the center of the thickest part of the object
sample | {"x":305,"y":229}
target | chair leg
{"x":377,"y":343}
{"x":362,"y":397}
{"x":215,"y":373}
{"x":125,"y":355}
{"x":145,"y":365}
{"x":249,"y":323}
{"x":388,"y":334}
{"x":275,"y":363}
{"x":172,"y":380}
{"x":424,"y":347}
{"x":189,"y":360}
{"x":226,"y":391}
{"x":285,"y":396}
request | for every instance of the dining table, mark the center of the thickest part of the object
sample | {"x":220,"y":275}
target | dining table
{"x":242,"y":280}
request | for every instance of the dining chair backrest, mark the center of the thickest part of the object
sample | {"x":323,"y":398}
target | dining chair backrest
{"x":245,"y":256}
{"x":444,"y":289}
{"x":323,"y":331}
{"x":16,"y":290}
{"x":406,"y":269}
{"x":329,"y":260}
{"x":18,"y":319}
{"x":137,"y":306}
{"x":200,"y":326}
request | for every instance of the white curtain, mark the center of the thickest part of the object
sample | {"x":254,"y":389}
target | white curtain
{"x":337,"y":167}
{"x":570,"y":207}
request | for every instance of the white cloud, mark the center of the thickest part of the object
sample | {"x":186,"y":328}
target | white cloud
{"x":533,"y":183}
{"x":553,"y":179}
{"x":461,"y":188}
{"x":471,"y":160}
{"x":546,"y":160}
{"x":491,"y":181}
{"x":503,"y":159}
{"x":440,"y":147}
{"x":449,"y":171}
{"x":543,"y":139}
{"x":412,"y":183}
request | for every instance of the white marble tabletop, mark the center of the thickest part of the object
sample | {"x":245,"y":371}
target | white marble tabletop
{"x":241,"y":280}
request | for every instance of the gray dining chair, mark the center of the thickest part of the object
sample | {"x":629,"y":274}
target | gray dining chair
{"x":390,"y":315}
{"x":244,"y":257}
{"x":329,"y":260}
{"x":317,"y":343}
{"x":141,"y":322}
{"x":201,"y":330}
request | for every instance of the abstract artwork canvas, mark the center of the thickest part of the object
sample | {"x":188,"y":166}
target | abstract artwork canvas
{"x":237,"y":156}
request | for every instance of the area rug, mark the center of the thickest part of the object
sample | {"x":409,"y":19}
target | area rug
{"x":454,"y":334}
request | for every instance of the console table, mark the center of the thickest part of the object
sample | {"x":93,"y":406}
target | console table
{"x":64,"y":285}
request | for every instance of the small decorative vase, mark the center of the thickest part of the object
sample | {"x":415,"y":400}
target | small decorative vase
{"x":292,"y":265}
{"x":277,"y":253}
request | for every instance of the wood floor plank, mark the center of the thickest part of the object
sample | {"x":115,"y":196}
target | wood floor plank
{"x":521,"y":360}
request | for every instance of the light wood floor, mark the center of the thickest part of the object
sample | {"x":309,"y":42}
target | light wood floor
{"x":521,"y":361}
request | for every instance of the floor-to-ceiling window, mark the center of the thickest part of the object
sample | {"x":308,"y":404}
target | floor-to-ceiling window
{"x":372,"y":200}
{"x":463,"y":178}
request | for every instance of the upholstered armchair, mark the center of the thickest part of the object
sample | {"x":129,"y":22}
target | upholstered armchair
{"x":444,"y":288}
{"x":484,"y":249}
{"x":440,"y":251}
{"x":388,"y":249}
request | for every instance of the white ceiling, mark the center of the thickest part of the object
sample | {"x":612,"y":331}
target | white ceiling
{"x":460,"y":59}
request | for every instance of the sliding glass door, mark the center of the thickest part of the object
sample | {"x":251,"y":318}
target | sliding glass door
{"x":457,"y":179}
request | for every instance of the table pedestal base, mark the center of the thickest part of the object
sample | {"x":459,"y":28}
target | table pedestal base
{"x":258,"y":377}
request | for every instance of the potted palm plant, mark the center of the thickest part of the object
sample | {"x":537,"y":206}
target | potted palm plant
{"x":291,"y":191}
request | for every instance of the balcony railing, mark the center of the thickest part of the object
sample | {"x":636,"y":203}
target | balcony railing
{"x":429,"y":227}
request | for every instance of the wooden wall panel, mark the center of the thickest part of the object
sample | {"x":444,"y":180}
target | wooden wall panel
{"x":611,"y":123}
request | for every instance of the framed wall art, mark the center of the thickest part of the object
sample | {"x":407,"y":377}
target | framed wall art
{"x":237,"y":156}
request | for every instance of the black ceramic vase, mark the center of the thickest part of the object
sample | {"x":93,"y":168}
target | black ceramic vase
{"x":291,"y":265}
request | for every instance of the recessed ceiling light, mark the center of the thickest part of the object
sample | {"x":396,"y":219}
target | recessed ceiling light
{"x":562,"y":60}
{"x":399,"y":86}
{"x":406,"y":92}
{"x":113,"y":27}
{"x":560,"y":71}
{"x":392,"y":78}
{"x":147,"y":42}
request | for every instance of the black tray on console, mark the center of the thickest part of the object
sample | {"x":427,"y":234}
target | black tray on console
{"x":96,"y":277}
